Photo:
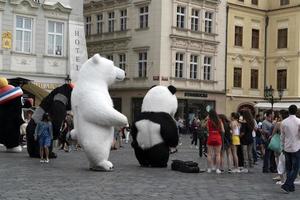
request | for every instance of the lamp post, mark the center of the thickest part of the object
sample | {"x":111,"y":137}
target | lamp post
{"x":68,"y":79}
{"x":269,"y":95}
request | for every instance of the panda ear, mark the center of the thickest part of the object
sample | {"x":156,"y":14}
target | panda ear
{"x":152,"y":87}
{"x":172,"y":89}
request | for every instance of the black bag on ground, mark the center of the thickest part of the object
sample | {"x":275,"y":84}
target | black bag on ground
{"x":185,"y":166}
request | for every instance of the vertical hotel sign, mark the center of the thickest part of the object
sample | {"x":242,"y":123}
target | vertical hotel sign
{"x":78,"y":51}
{"x":6,"y":40}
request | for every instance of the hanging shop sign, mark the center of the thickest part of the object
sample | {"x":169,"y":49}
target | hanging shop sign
{"x":195,"y":94}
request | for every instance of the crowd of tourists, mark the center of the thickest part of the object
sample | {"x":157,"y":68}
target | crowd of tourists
{"x":235,"y":144}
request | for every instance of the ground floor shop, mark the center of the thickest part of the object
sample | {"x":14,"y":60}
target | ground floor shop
{"x":129,"y":102}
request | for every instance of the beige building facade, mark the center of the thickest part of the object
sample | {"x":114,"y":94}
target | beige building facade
{"x":262,"y":50}
{"x":178,"y":42}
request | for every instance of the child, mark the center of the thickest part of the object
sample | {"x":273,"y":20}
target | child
{"x":44,"y":133}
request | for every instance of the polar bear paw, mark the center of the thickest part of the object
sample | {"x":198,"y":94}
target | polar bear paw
{"x":103,"y":166}
{"x":17,"y":149}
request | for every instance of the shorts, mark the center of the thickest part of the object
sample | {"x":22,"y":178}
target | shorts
{"x":236,"y":140}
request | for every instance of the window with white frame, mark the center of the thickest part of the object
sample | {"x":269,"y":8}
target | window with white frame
{"x":195,"y":20}
{"x":99,"y":23}
{"x":88,"y":25}
{"x":193,"y":66}
{"x":179,"y":65}
{"x":123,"y":20}
{"x":180,"y":16}
{"x":142,"y":71}
{"x":208,"y":22}
{"x":110,"y":57}
{"x":144,"y":17}
{"x":24,"y":34}
{"x":55,"y":38}
{"x":111,"y":21}
{"x":122,"y":61}
{"x":207,"y":68}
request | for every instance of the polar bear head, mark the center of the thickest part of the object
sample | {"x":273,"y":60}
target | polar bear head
{"x":161,"y":99}
{"x":98,"y":68}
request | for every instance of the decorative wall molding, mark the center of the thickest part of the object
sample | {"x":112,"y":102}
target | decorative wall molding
{"x":31,"y":3}
{"x":57,"y":6}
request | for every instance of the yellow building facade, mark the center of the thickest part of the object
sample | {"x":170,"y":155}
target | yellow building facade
{"x":262,"y":50}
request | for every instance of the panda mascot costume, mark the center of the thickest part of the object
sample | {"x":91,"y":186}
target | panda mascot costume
{"x":56,"y":104}
{"x":10,"y":116}
{"x":154,"y":131}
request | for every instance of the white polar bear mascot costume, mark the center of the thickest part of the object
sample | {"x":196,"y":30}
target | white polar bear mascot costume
{"x":94,"y":115}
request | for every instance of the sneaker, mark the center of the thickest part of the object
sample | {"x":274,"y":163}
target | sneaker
{"x":277,"y":178}
{"x":197,"y":147}
{"x":244,"y":170}
{"x":42,"y":161}
{"x":208,"y":170}
{"x":47,"y":161}
{"x":284,"y":190}
{"x":218,"y":171}
{"x":279,"y":183}
{"x":235,"y":170}
{"x":297,"y":182}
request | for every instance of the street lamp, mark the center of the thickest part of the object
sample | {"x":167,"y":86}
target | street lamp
{"x":269,"y":95}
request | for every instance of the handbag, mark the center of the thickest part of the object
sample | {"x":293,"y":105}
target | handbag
{"x":274,"y":144}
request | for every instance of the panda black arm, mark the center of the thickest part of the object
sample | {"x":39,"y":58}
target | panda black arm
{"x":169,"y":131}
{"x":133,"y":133}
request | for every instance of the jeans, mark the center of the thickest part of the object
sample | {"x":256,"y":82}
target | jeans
{"x":254,"y":151}
{"x":247,"y":155}
{"x":292,"y":161}
{"x":269,"y":159}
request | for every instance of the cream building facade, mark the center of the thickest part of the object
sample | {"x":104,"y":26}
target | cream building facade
{"x":178,"y":42}
{"x":263,"y":49}
{"x":42,"y":42}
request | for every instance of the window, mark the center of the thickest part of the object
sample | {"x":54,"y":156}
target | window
{"x":195,"y":20}
{"x":282,"y":38}
{"x":281,"y":79}
{"x":193,"y":66}
{"x":24,"y":34}
{"x":238,"y":36}
{"x":143,"y":64}
{"x":284,"y":2}
{"x":207,"y":68}
{"x":179,"y":65}
{"x":100,"y":23}
{"x":110,"y":57}
{"x":254,"y":79}
{"x":144,"y":17}
{"x":111,"y":21}
{"x":180,"y":16}
{"x":254,"y":2}
{"x":55,"y":38}
{"x":208,"y":22}
{"x":255,"y":38}
{"x":123,"y":20}
{"x":88,"y":25}
{"x":237,"y":77}
{"x":122,"y":61}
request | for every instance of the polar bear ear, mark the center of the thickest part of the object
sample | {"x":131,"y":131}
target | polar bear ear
{"x":172,"y":89}
{"x":96,"y":58}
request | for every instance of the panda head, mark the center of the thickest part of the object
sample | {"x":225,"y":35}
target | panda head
{"x":160,"y":99}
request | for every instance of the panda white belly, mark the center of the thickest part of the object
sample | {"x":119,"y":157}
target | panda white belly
{"x":148,"y":134}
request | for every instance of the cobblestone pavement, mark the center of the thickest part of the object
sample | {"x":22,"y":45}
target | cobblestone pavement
{"x":68,"y":177}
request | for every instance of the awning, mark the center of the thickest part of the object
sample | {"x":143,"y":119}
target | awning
{"x":40,"y":93}
{"x":276,"y":106}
